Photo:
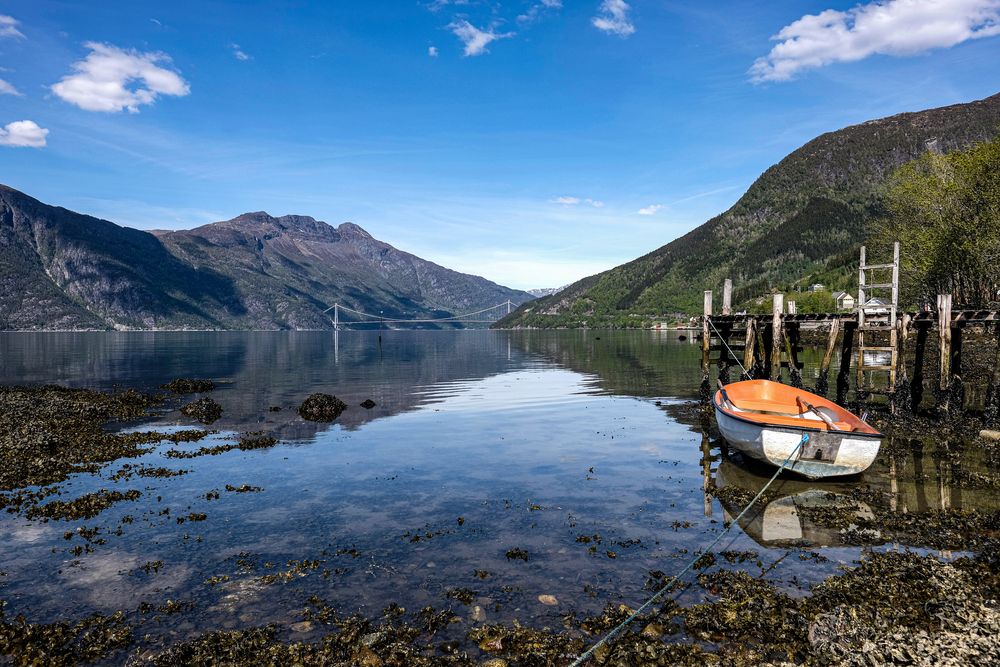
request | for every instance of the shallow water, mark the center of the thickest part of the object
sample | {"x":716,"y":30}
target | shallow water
{"x":577,"y":447}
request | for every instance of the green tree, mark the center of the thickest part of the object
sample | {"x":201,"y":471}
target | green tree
{"x":945,"y":212}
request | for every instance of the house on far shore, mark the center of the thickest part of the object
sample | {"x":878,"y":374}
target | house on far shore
{"x":816,"y":287}
{"x":844,"y":301}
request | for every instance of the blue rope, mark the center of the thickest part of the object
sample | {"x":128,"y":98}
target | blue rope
{"x":621,"y":626}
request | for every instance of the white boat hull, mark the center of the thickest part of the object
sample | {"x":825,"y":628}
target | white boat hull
{"x":826,"y":454}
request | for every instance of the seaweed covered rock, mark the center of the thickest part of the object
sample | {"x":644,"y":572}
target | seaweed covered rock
{"x":368,"y":404}
{"x":47,"y":433}
{"x":188,"y":386}
{"x":321,"y":408}
{"x":204,"y":410}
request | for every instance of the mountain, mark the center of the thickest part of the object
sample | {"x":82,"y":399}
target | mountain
{"x":545,"y":291}
{"x":64,"y":270}
{"x":802,"y":219}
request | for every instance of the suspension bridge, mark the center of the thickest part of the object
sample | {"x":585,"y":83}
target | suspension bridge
{"x":485,"y":316}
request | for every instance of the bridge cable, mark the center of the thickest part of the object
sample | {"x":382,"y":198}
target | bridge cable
{"x":621,"y":626}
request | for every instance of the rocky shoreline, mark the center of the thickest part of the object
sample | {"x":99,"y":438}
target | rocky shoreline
{"x":890,"y":607}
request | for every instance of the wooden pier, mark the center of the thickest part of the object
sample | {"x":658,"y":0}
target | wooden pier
{"x":875,"y":339}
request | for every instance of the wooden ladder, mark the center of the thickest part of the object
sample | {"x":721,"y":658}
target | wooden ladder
{"x":878,"y":321}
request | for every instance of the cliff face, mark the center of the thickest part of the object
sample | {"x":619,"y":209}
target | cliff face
{"x":806,"y":215}
{"x":64,"y":270}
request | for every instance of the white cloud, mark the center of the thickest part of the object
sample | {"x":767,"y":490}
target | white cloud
{"x":613,"y":18}
{"x":432,"y":51}
{"x":890,"y":27}
{"x":239,"y":53}
{"x":102,"y":80}
{"x":475,"y":40}
{"x":652,"y":209}
{"x":573,"y":201}
{"x":8,"y":27}
{"x":536,"y":9}
{"x":23,"y":133}
{"x":6,"y":88}
{"x":566,"y":201}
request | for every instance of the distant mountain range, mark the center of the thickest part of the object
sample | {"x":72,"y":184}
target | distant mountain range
{"x":545,"y":291}
{"x":64,"y":270}
{"x":801,"y":220}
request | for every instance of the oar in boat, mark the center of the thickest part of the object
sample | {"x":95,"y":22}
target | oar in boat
{"x":813,"y":409}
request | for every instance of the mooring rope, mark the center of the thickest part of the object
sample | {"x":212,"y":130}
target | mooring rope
{"x":731,"y":353}
{"x":621,"y":626}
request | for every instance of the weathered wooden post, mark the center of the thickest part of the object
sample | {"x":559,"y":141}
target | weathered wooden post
{"x":823,"y":385}
{"x":901,"y":396}
{"x":919,"y":353}
{"x":846,"y":351}
{"x":791,"y":343}
{"x":944,"y":340}
{"x":706,"y":348}
{"x":992,"y":412}
{"x":727,"y":297}
{"x":776,"y":309}
{"x":750,"y":345}
{"x":791,"y":308}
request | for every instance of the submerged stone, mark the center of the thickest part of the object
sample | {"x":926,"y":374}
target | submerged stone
{"x":321,"y":408}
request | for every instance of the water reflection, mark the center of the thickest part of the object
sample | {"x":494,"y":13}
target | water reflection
{"x":911,"y":476}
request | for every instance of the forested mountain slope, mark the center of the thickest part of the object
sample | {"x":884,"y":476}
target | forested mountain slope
{"x":808,"y":214}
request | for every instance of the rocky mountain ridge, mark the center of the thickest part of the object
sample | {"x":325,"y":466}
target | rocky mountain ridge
{"x":63,"y":270}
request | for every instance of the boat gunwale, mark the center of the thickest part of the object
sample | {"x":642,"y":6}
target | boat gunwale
{"x":783,"y":427}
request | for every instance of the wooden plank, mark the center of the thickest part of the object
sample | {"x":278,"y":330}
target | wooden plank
{"x":727,"y":297}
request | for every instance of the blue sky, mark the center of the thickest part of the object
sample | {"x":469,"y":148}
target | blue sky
{"x":530,"y":141}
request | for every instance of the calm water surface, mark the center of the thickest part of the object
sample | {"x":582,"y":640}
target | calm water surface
{"x":579,"y":448}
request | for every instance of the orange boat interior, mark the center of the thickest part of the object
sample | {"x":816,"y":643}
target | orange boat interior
{"x":773,"y":403}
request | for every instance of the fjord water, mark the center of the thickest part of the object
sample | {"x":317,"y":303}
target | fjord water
{"x":578,"y":449}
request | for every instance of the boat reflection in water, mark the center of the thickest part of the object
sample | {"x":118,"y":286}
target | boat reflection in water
{"x":784,"y":518}
{"x":910,"y":476}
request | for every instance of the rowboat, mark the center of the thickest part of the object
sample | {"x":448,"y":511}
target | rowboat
{"x":768,"y":420}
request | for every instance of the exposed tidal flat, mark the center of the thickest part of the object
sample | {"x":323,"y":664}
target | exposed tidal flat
{"x":509,"y":497}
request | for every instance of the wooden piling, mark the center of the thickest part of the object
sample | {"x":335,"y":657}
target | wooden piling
{"x":750,"y":345}
{"x":706,"y":334}
{"x":824,"y":368}
{"x":777,"y":308}
{"x":791,"y":343}
{"x":919,"y":353}
{"x":993,"y":389}
{"x":706,"y":348}
{"x":846,"y":351}
{"x":791,"y":308}
{"x":944,"y":340}
{"x":727,"y":297}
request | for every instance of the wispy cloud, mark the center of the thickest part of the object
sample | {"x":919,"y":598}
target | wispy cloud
{"x":534,"y":12}
{"x":652,"y":209}
{"x":474,"y":39}
{"x":8,"y":27}
{"x":891,"y":27}
{"x":432,"y":51}
{"x":7,"y":88}
{"x":239,"y":53}
{"x":613,"y":18}
{"x":23,"y":134}
{"x":574,"y":201}
{"x":112,"y":80}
